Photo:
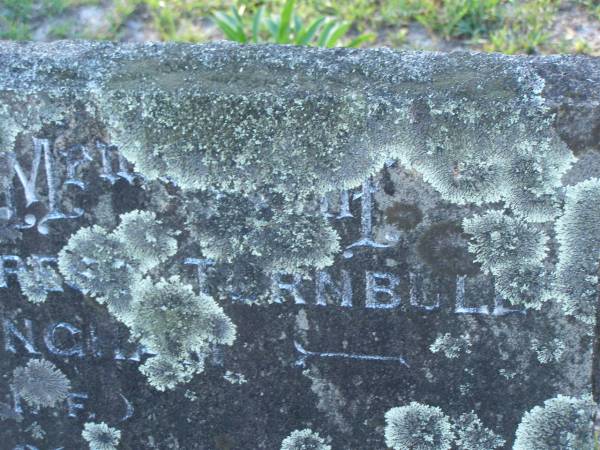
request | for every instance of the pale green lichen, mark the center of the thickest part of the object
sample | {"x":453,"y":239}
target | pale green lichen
{"x":36,"y":281}
{"x":471,"y":434}
{"x":105,"y":265}
{"x":145,"y":238}
{"x":515,"y":158}
{"x":97,"y":263}
{"x":548,"y":352}
{"x":500,"y":241}
{"x":578,"y":235}
{"x":513,"y":250}
{"x":451,"y":347}
{"x":304,"y":440}
{"x":534,"y":175}
{"x":462,"y":165}
{"x":169,"y":318}
{"x":563,"y":423}
{"x":180,"y":326}
{"x":418,"y":427}
{"x":40,"y":383}
{"x":528,"y":285}
{"x":100,"y":436}
{"x":242,"y":141}
{"x":166,"y":372}
{"x":27,"y":114}
{"x":278,"y":238}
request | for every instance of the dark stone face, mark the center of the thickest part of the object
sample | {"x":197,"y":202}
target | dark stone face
{"x":216,"y":314}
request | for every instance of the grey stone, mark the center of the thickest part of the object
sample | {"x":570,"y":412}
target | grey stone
{"x":221,"y":244}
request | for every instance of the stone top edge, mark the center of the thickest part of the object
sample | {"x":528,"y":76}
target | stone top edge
{"x":62,"y":63}
{"x":78,"y":45}
{"x":569,"y":85}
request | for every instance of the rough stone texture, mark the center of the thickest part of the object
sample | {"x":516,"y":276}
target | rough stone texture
{"x":349,"y":170}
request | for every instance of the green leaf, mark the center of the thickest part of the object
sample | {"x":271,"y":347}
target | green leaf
{"x":284,"y":22}
{"x":358,"y":41}
{"x":337,"y":33}
{"x":297,"y":24}
{"x":231,"y":21}
{"x":325,"y":33}
{"x":231,"y":31}
{"x":307,"y":36}
{"x":236,"y":15}
{"x":273,"y":28}
{"x":256,"y":22}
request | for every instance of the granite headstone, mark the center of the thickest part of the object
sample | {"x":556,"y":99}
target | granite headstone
{"x":219,"y":244}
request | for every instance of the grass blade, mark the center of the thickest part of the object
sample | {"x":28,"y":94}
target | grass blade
{"x":337,"y":33}
{"x":232,"y":32}
{"x":307,"y":36}
{"x":284,"y":22}
{"x":256,"y":23}
{"x":358,"y":41}
{"x":325,"y":33}
{"x":273,"y":28}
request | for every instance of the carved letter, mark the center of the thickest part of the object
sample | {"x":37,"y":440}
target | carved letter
{"x":108,"y":153}
{"x":460,"y":307}
{"x":38,"y":264}
{"x":201,"y":265}
{"x":29,"y":182}
{"x":291,"y":287}
{"x":366,"y":221}
{"x":129,"y":410}
{"x":343,"y":293}
{"x":54,"y":212}
{"x":18,"y":266}
{"x":73,"y":405}
{"x":75,"y":156}
{"x":416,"y":293}
{"x":389,"y":289}
{"x":11,"y":332}
{"x":500,"y":308}
{"x":344,"y":206}
{"x":50,"y":338}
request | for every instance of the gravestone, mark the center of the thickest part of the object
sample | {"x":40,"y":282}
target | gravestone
{"x":363,"y":229}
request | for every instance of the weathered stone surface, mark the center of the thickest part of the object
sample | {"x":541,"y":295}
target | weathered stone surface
{"x":309,"y":237}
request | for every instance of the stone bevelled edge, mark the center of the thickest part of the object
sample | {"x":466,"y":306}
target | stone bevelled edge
{"x":571,"y":83}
